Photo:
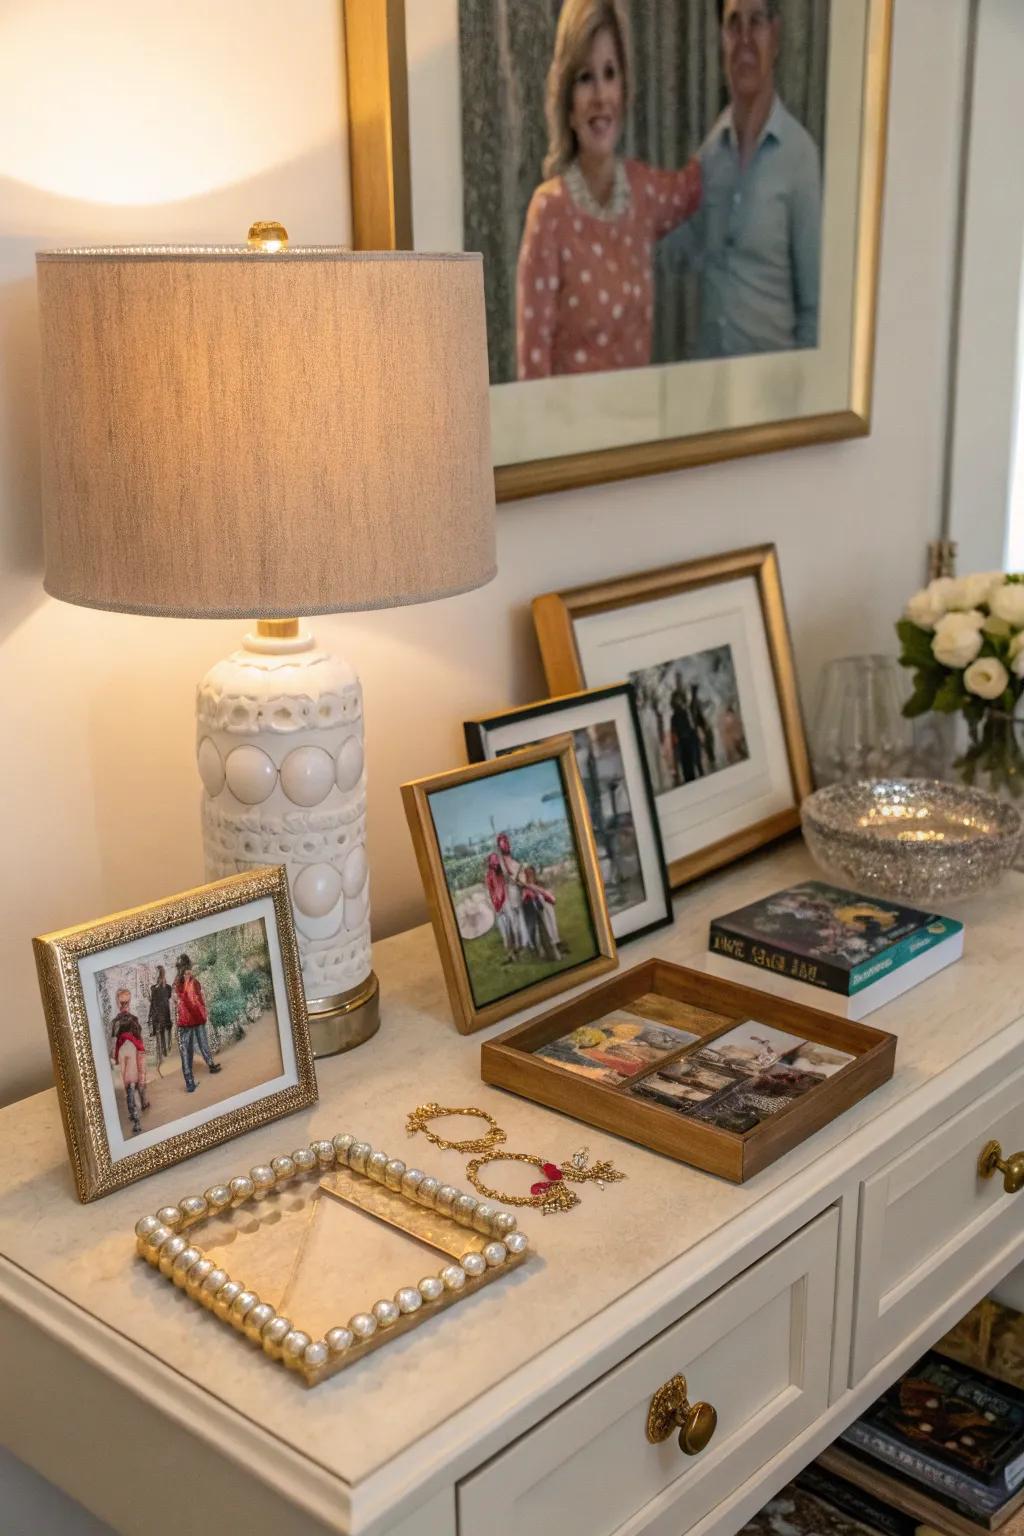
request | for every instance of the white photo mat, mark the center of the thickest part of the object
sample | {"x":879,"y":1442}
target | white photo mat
{"x":621,"y":641}
{"x":183,"y":934}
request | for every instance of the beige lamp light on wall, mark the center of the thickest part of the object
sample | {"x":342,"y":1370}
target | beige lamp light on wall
{"x":269,"y":431}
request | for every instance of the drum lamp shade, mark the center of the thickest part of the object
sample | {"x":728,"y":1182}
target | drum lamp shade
{"x":227,"y":431}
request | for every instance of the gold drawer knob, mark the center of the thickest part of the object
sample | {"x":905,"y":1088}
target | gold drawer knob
{"x":670,"y":1410}
{"x":1012,"y":1168}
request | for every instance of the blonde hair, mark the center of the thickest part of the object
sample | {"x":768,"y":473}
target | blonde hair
{"x":578,"y":25}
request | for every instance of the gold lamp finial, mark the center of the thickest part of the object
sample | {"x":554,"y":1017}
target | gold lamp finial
{"x":267,"y":235}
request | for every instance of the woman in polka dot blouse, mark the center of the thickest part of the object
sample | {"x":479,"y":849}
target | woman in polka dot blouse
{"x":584,"y":284}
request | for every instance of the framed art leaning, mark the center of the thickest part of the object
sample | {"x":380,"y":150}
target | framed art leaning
{"x":175,"y":1026}
{"x":678,"y":203}
{"x":706,"y":647}
{"x":605,"y":730}
{"x":511,"y":875}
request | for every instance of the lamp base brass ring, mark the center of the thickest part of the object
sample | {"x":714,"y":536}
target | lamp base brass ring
{"x":348,"y":1019}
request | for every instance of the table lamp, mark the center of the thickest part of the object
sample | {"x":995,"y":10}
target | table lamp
{"x":269,"y":432}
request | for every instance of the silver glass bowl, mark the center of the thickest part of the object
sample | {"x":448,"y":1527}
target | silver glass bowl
{"x":915,"y":840}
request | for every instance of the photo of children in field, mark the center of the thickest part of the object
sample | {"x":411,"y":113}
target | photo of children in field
{"x":513,"y":877}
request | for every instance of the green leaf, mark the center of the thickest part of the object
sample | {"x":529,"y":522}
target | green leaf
{"x":951,"y":695}
{"x":916,"y":643}
{"x":923,"y":696}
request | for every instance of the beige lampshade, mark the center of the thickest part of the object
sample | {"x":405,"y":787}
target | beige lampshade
{"x":234,"y":432}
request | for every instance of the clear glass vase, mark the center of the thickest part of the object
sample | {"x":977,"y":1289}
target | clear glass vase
{"x":993,"y":759}
{"x":858,"y":730}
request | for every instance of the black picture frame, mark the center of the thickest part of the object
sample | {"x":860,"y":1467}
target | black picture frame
{"x":481,"y":748}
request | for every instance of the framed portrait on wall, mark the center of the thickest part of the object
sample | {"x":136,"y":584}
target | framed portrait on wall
{"x":706,"y":648}
{"x":677,"y":201}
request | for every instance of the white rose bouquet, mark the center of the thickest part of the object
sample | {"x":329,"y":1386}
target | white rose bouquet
{"x":964,"y":640}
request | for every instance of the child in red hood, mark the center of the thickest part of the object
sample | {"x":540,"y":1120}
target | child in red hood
{"x":191,"y":1011}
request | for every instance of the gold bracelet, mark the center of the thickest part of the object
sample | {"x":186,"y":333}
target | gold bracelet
{"x":550,"y":1193}
{"x":417,"y":1121}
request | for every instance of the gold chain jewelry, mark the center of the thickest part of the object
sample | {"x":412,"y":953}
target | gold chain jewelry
{"x":550,"y":1193}
{"x":417,"y":1121}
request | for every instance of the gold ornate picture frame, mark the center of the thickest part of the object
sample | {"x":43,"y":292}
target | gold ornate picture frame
{"x":403,"y":90}
{"x":510,"y":871}
{"x":477,"y":1242}
{"x":175,"y":1026}
{"x":706,"y":646}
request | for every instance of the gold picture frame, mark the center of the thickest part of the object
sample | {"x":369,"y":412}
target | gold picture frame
{"x":470,"y":1011}
{"x":71,"y":978}
{"x":477,"y":1242}
{"x":380,"y":173}
{"x":556,"y":616}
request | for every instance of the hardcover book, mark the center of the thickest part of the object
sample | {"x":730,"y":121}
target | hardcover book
{"x":804,"y":1508}
{"x":989,"y":1339}
{"x":851,"y":1466}
{"x":951,"y":1429}
{"x":822,"y":936}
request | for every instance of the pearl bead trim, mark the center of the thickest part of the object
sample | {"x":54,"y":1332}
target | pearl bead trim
{"x":160,"y":1240}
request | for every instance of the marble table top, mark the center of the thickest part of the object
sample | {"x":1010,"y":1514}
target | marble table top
{"x":589,"y":1260}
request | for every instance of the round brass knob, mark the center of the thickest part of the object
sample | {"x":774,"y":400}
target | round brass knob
{"x":701,"y":1423}
{"x":1012,"y":1168}
{"x":671,"y":1410}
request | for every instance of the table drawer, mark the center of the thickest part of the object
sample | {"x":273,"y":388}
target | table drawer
{"x":930,"y":1226}
{"x":758,"y":1351}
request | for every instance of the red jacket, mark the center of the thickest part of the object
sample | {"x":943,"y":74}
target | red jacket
{"x":191,"y":1003}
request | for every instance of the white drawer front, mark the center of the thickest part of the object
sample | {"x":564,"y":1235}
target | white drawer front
{"x":929,"y":1226}
{"x":758,"y":1350}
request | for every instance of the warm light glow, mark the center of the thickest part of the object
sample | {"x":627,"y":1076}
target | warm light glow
{"x":123,"y":103}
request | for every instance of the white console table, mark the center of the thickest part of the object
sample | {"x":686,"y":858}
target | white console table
{"x":789,"y":1302}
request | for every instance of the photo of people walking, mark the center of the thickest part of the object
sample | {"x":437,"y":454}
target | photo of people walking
{"x":690,"y":718}
{"x":189,"y":1027}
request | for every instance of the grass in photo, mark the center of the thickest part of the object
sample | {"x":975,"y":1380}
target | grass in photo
{"x":512,"y":873}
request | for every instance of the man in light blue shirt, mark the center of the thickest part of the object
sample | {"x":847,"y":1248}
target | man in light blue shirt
{"x":757,"y":240}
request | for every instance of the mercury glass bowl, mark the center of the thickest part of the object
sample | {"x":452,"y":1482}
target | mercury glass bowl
{"x":912,"y":839}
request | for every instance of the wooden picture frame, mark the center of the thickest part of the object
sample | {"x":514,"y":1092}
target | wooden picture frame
{"x":509,"y":1062}
{"x":472,"y":1005}
{"x":630,"y":796}
{"x":560,"y":618}
{"x":80,"y":967}
{"x":381,"y":170}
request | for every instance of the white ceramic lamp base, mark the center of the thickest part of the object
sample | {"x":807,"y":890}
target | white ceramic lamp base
{"x":279,"y":742}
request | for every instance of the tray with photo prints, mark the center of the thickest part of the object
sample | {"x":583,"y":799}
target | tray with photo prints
{"x":719,"y":1075}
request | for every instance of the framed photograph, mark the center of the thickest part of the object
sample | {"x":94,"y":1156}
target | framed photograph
{"x":175,"y":1026}
{"x":718,"y":1075}
{"x":511,"y":875}
{"x":678,"y":206}
{"x":706,"y":649}
{"x":605,"y":730}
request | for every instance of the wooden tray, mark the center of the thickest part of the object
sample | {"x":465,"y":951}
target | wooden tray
{"x":508,"y":1062}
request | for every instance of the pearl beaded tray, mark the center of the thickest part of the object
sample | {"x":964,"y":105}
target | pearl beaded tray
{"x":481,"y":1242}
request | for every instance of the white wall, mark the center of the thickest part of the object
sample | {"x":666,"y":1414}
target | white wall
{"x":985,"y":436}
{"x":178,"y":120}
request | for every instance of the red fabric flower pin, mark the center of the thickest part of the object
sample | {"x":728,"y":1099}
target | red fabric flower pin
{"x":552,"y":1175}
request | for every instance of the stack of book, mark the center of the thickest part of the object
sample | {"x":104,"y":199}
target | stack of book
{"x":940,"y":1454}
{"x":832,"y":949}
{"x":944,"y":1444}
